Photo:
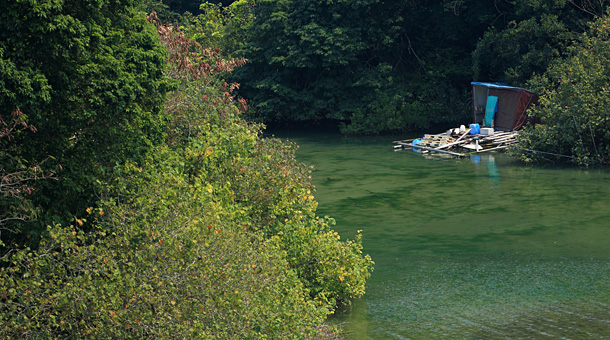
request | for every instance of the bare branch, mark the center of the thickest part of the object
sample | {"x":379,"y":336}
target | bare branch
{"x":412,"y":50}
{"x":16,"y":180}
{"x":591,"y":7}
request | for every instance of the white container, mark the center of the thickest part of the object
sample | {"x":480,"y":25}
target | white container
{"x":462,"y":128}
{"x":487,"y":131}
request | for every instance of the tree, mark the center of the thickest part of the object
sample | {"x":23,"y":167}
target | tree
{"x":573,"y":112}
{"x":224,"y":27}
{"x":373,"y":66}
{"x":262,"y":177}
{"x":213,"y":236}
{"x":535,"y":34}
{"x":89,"y":75}
{"x":303,"y":57}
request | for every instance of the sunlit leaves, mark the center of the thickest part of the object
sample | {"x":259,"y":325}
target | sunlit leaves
{"x":210,"y":235}
{"x":574,"y":106}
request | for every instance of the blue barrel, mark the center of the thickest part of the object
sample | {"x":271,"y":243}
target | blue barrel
{"x":475,"y":129}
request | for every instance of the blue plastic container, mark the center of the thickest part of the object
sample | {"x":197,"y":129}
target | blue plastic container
{"x":415,"y":142}
{"x":475,"y":129}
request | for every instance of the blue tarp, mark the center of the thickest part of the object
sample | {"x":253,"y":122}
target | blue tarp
{"x":497,"y":85}
{"x":491,"y":109}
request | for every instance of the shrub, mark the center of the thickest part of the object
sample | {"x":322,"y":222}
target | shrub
{"x":573,"y":112}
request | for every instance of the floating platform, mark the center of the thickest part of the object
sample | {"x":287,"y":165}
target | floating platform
{"x":461,"y":144}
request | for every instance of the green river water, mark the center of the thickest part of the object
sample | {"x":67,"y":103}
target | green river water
{"x":474,"y":248}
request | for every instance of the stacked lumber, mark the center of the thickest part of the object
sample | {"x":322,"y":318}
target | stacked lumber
{"x":436,"y":140}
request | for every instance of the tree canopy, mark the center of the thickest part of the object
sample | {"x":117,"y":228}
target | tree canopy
{"x":535,"y":34}
{"x":374,"y":66}
{"x":391,"y":66}
{"x":89,"y":76}
{"x":574,"y":108}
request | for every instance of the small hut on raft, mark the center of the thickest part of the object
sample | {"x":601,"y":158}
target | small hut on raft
{"x":501,"y":106}
{"x":498,"y":110}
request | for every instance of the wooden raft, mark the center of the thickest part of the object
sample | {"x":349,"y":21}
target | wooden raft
{"x":461,"y":144}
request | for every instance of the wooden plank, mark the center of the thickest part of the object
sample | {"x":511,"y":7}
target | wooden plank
{"x":471,"y":146}
{"x":404,"y":140}
{"x":457,"y":141}
{"x":500,"y":134}
{"x":433,"y":144}
{"x":491,"y":139}
{"x":436,"y":140}
{"x":505,"y":142}
{"x":439,"y":142}
{"x":493,"y":149}
{"x":504,"y":139}
{"x":432,"y":149}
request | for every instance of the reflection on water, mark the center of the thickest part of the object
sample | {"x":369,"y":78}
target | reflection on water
{"x":473,"y":248}
{"x":492,"y":169}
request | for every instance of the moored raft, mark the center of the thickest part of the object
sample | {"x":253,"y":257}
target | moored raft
{"x":461,"y":143}
{"x":499,"y":111}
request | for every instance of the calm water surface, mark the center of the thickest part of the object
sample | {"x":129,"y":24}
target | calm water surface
{"x":475,"y":248}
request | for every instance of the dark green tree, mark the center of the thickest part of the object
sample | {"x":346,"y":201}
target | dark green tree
{"x":214,"y":236}
{"x":89,"y":75}
{"x":304,"y":56}
{"x":385,"y":66}
{"x":574,"y":107}
{"x":375,"y":66}
{"x":17,"y":176}
{"x":534,"y":34}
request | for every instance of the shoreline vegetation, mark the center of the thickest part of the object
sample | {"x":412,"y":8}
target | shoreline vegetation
{"x":199,"y":229}
{"x":373,"y":67}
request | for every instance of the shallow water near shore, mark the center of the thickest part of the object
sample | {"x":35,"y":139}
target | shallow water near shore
{"x":473,"y":248}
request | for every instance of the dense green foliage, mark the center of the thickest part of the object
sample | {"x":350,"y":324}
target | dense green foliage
{"x":170,"y":217}
{"x":89,"y":76}
{"x":16,"y":175}
{"x":190,"y":251}
{"x":537,"y":32}
{"x":209,"y":232}
{"x":364,"y":63}
{"x":221,"y":26}
{"x":372,"y":66}
{"x":574,"y":110}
